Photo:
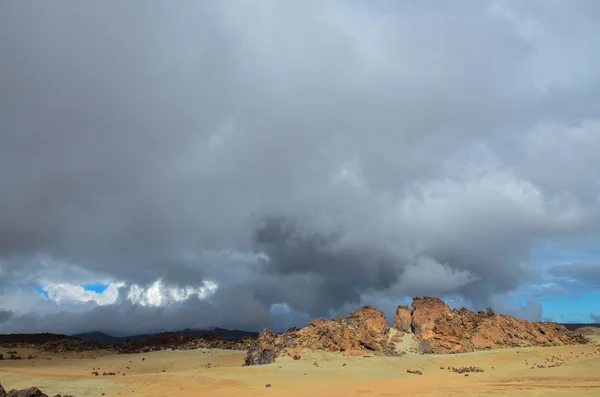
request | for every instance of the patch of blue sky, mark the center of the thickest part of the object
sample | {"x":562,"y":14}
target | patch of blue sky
{"x":95,"y":287}
{"x":41,"y":291}
{"x":575,"y":308}
{"x":563,"y":299}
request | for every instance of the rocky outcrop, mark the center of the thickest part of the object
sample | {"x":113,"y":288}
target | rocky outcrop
{"x":403,"y":319}
{"x":437,"y":328}
{"x":29,"y":392}
{"x":363,"y":331}
{"x":425,"y":313}
{"x":442,"y":330}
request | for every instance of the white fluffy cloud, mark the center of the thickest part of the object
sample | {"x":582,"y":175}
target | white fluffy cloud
{"x":157,"y":294}
{"x":69,"y":293}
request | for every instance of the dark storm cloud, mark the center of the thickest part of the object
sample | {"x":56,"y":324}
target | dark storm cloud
{"x":5,"y":315}
{"x":339,"y":273}
{"x":367,"y":150}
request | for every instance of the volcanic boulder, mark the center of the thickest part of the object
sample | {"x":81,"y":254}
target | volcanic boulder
{"x":267,"y":347}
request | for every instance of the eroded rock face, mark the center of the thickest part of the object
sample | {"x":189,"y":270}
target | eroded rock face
{"x":403,"y":319}
{"x":442,"y":330}
{"x":435,"y":326}
{"x":426,"y":312}
{"x":364,"y":330}
{"x":267,"y":347}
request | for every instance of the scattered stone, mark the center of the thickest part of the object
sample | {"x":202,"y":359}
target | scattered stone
{"x":268,"y":385}
{"x":108,"y":374}
{"x":463,"y":370}
{"x":414,"y":371}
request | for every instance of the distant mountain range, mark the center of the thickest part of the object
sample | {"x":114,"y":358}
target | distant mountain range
{"x":574,"y":326}
{"x":226,"y":334}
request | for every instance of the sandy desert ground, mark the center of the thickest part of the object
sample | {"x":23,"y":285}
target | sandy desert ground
{"x":507,"y":372}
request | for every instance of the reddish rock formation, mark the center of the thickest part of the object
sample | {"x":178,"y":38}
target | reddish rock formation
{"x":364,"y":330}
{"x":426,"y":311}
{"x":403,"y":319}
{"x":442,"y":330}
{"x":435,"y":326}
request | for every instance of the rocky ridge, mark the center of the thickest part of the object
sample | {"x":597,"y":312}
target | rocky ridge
{"x":54,"y":343}
{"x":433,"y":325}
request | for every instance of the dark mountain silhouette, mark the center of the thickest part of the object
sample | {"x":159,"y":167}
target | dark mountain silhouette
{"x":574,"y":326}
{"x":226,"y":334}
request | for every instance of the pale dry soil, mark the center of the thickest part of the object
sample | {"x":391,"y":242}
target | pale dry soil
{"x":508,"y":372}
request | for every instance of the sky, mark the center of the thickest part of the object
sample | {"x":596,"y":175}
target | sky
{"x":260,"y":163}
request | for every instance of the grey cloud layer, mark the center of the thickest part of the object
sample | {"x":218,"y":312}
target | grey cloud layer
{"x":587,"y":272}
{"x":365,"y":149}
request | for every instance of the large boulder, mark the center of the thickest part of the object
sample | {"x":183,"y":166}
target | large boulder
{"x":403,"y":319}
{"x":426,"y":312}
{"x":268,"y":346}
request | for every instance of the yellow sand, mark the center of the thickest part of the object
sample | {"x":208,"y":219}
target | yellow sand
{"x":508,"y":372}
